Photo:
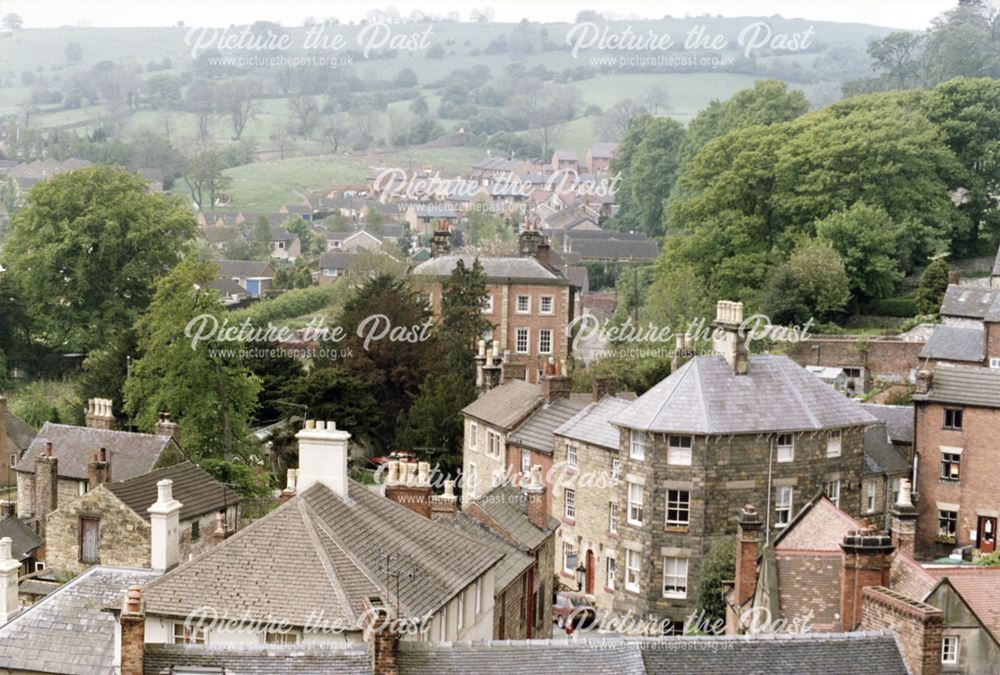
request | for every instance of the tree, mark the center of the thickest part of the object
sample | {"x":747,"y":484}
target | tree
{"x":236,"y":99}
{"x":462,"y":323}
{"x":74,"y":52}
{"x":306,"y":112}
{"x":433,"y":425}
{"x":206,"y":178}
{"x":13,"y":22}
{"x":210,"y":393}
{"x":106,"y":369}
{"x":932,"y":287}
{"x":419,"y":106}
{"x":648,"y":162}
{"x":864,"y":236}
{"x":782,"y":299}
{"x":718,"y":566}
{"x":200,"y":100}
{"x":898,"y":57}
{"x":820,"y":277}
{"x":85,"y":252}
{"x":332,"y":393}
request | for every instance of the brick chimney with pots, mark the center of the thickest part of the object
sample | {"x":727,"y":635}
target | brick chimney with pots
{"x":100,"y":414}
{"x":445,"y":505}
{"x":553,"y":384}
{"x":98,"y":471}
{"x":917,"y":626}
{"x":164,"y":527}
{"x":383,"y":642}
{"x":924,"y":379}
{"x":46,"y":498}
{"x":9,"y":568}
{"x":132,"y":622}
{"x":603,"y":386}
{"x":323,"y":454}
{"x":867,"y":555}
{"x":164,"y":427}
{"x":748,"y":537}
{"x":903,"y":520}
{"x":727,"y":340}
{"x":409,"y":485}
{"x":441,"y":240}
{"x":534,"y":492}
{"x":529,"y":241}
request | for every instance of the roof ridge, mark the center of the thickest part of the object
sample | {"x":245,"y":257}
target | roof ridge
{"x":798,"y":398}
{"x":309,"y":516}
{"x":682,"y":375}
{"x":104,"y":431}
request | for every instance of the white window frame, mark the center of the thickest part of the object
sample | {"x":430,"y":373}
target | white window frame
{"x":443,"y":625}
{"x":569,"y":504}
{"x":834,"y":443}
{"x":633,"y":568}
{"x":525,"y":461}
{"x":194,"y":635}
{"x":675,"y":569}
{"x":994,"y":362}
{"x":870,"y":490}
{"x":635,"y":504}
{"x":494,"y":444}
{"x":677,"y":454}
{"x":518,"y":333}
{"x":832,"y":491}
{"x":610,"y":572}
{"x":568,"y":549}
{"x":552,"y":305}
{"x":479,"y":595}
{"x":470,"y":489}
{"x":527,"y":305}
{"x":473,"y":435}
{"x":786,"y":451}
{"x":949,"y":649}
{"x":781,"y":507}
{"x":572,"y":458}
{"x":13,"y":459}
{"x":613,"y":517}
{"x":545,"y":341}
{"x":677,"y":505}
{"x":637,"y":445}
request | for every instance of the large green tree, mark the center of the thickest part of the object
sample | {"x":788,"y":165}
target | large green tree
{"x":648,"y":162}
{"x":864,"y":236}
{"x":86,"y":250}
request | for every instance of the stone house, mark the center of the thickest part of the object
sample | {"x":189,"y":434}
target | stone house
{"x":15,"y":438}
{"x":886,"y":466}
{"x":110,"y":524}
{"x":957,"y":450}
{"x":54,"y":469}
{"x":719,"y":432}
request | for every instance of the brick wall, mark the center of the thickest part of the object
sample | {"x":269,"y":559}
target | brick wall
{"x":886,"y":359}
{"x":510,"y":600}
{"x":917,"y":627}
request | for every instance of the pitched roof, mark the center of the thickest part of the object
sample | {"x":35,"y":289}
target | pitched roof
{"x":526,"y":268}
{"x":967,"y":302}
{"x":965,"y":385}
{"x":68,"y":631}
{"x":604,"y":234}
{"x":514,"y":561}
{"x":898,"y":419}
{"x":956,"y":343}
{"x":603,"y":149}
{"x":615,"y":249}
{"x":508,"y":507}
{"x":881,"y":456}
{"x":980,"y":588}
{"x":243,"y":659}
{"x":336,"y":260}
{"x":279,"y":233}
{"x":818,"y":526}
{"x":504,"y":406}
{"x":704,"y":396}
{"x":244,"y":268}
{"x":20,"y":433}
{"x":23,"y":537}
{"x":130,"y":454}
{"x":910,"y":578}
{"x":320,"y":553}
{"x":591,"y":425}
{"x":536,"y":431}
{"x":197,"y":491}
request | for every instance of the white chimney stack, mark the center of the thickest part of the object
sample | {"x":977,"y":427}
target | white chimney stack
{"x":323,"y":456}
{"x":8,"y":581}
{"x":165,"y":526}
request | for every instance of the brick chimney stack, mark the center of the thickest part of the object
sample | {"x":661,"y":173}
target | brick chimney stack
{"x":99,"y":414}
{"x":9,"y":567}
{"x":867,"y":555}
{"x":409,"y":485}
{"x":534,"y":491}
{"x":530,"y":240}
{"x":924,"y":380}
{"x":323,"y":453}
{"x":383,"y":642}
{"x":46,"y":497}
{"x":164,"y":427}
{"x":917,"y":626}
{"x":441,"y":240}
{"x":164,"y":527}
{"x":903,"y":520}
{"x":512,"y":371}
{"x":727,"y":340}
{"x":553,"y":383}
{"x":133,"y":632}
{"x":603,"y":386}
{"x":98,"y":471}
{"x":445,"y":505}
{"x":748,"y":531}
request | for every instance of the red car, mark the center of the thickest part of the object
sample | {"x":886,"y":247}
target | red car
{"x":574,"y":610}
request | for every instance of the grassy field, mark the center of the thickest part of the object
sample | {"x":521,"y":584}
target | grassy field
{"x":267,"y":186}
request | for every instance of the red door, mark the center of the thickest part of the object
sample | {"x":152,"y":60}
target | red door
{"x":987,"y":534}
{"x":591,"y":573}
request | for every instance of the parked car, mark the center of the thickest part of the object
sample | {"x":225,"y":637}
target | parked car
{"x":574,"y":610}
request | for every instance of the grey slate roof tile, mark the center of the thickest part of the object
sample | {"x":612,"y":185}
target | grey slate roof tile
{"x":244,"y":268}
{"x":881,"y":456}
{"x":253,"y":660}
{"x":24,"y":539}
{"x":898,"y":419}
{"x":536,"y":431}
{"x":21,"y":434}
{"x":494,"y":268}
{"x":504,"y":406}
{"x":197,"y":491}
{"x":591,"y":425}
{"x":956,"y":343}
{"x":507,"y":505}
{"x":964,"y":385}
{"x":968,"y":302}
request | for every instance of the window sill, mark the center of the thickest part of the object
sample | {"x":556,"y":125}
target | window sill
{"x":634,"y":590}
{"x":634,"y":523}
{"x":608,"y":590}
{"x":572,"y":470}
{"x":568,"y":521}
{"x":675,"y":596}
{"x":567,"y":575}
{"x":677,"y":529}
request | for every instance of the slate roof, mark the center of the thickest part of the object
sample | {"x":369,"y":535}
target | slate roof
{"x":130,"y":454}
{"x":579,"y":277}
{"x":604,"y":149}
{"x":526,"y":268}
{"x":228,"y":287}
{"x":279,"y":233}
{"x":514,"y":561}
{"x":881,"y":456}
{"x":68,"y":631}
{"x":964,"y":385}
{"x":23,"y":537}
{"x":898,"y":419}
{"x":336,"y":260}
{"x":956,"y":343}
{"x":604,"y":234}
{"x":297,"y":659}
{"x":591,"y":424}
{"x":20,"y":433}
{"x":967,"y":302}
{"x":197,"y":491}
{"x":318,"y":553}
{"x":508,"y":506}
{"x":244,"y":268}
{"x":536,"y":431}
{"x":615,"y":249}
{"x":504,"y":406}
{"x":704,"y":396}
{"x":273,"y":219}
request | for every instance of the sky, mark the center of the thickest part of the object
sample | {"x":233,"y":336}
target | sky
{"x":912,"y":14}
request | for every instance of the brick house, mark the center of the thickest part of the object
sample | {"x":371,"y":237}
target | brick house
{"x":15,"y":438}
{"x":253,"y":275}
{"x":600,"y":155}
{"x":719,"y":432}
{"x":110,"y":524}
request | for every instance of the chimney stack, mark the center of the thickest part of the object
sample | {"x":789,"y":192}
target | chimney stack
{"x":164,"y":531}
{"x":441,"y":240}
{"x":383,"y":640}
{"x":100,"y":414}
{"x":98,"y":471}
{"x":445,"y":505}
{"x":488,"y":366}
{"x":512,"y":371}
{"x":683,"y":352}
{"x":748,"y":529}
{"x":530,"y":240}
{"x":290,"y":483}
{"x":603,"y":386}
{"x":323,"y":457}
{"x":164,"y":427}
{"x":534,"y":491}
{"x":867,"y":556}
{"x":9,"y":567}
{"x":727,"y":340}
{"x":924,"y":380}
{"x":409,"y":485}
{"x":133,"y":632}
{"x":903,"y":519}
{"x":553,"y":383}
{"x":917,"y":626}
{"x":46,"y":497}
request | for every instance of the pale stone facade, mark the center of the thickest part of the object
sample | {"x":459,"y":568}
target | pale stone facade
{"x":480,"y":465}
{"x":67,"y":490}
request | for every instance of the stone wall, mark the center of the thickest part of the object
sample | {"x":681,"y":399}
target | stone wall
{"x":67,"y":490}
{"x":544,"y":557}
{"x":510,"y":600}
{"x":476,"y":453}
